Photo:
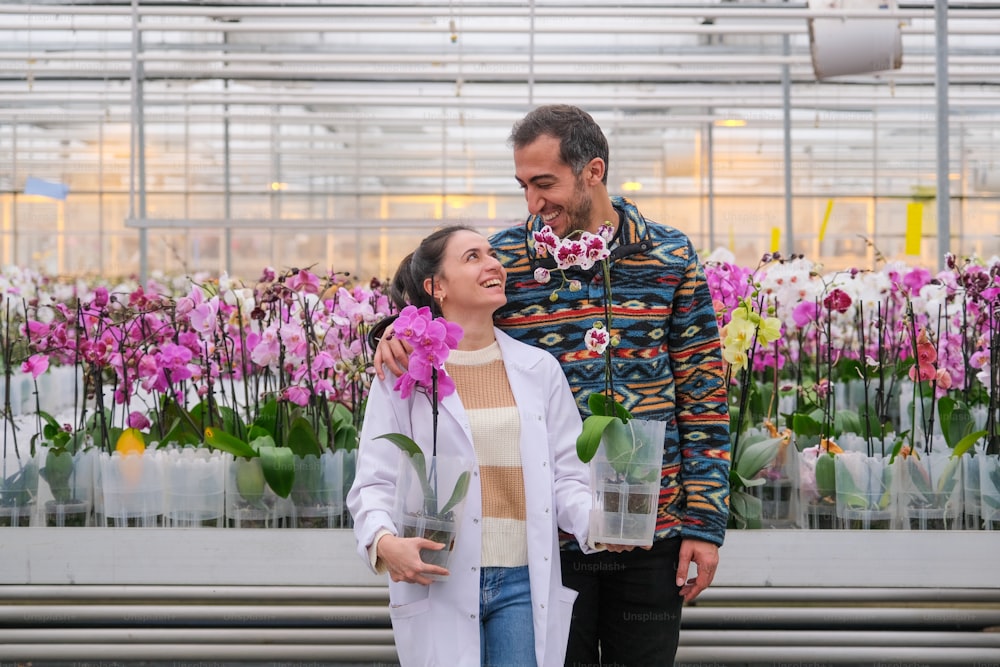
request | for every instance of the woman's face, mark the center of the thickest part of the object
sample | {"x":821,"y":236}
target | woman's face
{"x":471,"y":277}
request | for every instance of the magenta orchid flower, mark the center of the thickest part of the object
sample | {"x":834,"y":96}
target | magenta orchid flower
{"x":36,"y":364}
{"x":431,"y":339}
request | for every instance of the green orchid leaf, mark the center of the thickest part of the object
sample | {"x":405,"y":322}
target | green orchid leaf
{"x":745,"y":510}
{"x":918,"y":475}
{"x":231,"y":421}
{"x":345,"y":434}
{"x":602,"y":406}
{"x":51,"y":429}
{"x":806,"y":425}
{"x":346,"y":438}
{"x":967,"y":443}
{"x":619,"y":445}
{"x":826,"y":475}
{"x":738,"y":481}
{"x":262,"y":439}
{"x":956,"y":420}
{"x":52,"y":433}
{"x":855,"y":501}
{"x":869,"y":420}
{"x":175,"y":424}
{"x":415,"y":455}
{"x":946,"y":405}
{"x":278,"y":464}
{"x":267,"y":417}
{"x":250,"y":481}
{"x":182,"y":433}
{"x":256,"y":432}
{"x":898,"y":447}
{"x":228,"y":443}
{"x":403,"y":442}
{"x":753,"y":457}
{"x":302,"y":438}
{"x":590,"y":437}
{"x":949,"y":477}
{"x":846,"y":421}
{"x":461,"y":488}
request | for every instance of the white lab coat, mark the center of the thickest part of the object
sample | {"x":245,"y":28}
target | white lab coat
{"x":438,"y":625}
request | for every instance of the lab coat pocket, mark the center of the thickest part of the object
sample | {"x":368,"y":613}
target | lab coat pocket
{"x":415,"y":634}
{"x":401,"y":611}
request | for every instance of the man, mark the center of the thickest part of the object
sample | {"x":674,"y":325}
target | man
{"x":666,"y":366}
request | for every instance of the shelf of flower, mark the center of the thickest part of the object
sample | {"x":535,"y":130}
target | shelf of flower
{"x":859,"y":399}
{"x":198,"y":403}
{"x":862,"y":399}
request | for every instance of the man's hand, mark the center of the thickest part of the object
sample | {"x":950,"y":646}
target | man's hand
{"x":706,"y":556}
{"x":391,"y":352}
{"x":401,"y":557}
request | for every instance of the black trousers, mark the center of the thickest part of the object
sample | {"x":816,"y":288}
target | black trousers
{"x":628,"y":613}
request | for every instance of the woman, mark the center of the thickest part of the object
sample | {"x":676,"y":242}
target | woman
{"x":502,"y":602}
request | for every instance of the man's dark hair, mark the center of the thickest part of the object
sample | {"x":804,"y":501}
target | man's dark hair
{"x":580,"y":138}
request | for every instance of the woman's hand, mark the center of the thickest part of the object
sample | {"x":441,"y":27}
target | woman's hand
{"x":391,"y":352}
{"x":401,"y":557}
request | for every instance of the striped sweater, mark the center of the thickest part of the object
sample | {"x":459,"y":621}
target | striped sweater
{"x":481,"y":382}
{"x":668,"y":365}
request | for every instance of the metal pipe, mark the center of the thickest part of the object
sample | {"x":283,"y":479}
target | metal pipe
{"x":597,"y":100}
{"x":797,"y":11}
{"x":723,"y":637}
{"x":184,"y":615}
{"x":710,"y":175}
{"x":786,"y":618}
{"x":132,"y":635}
{"x":281,"y":653}
{"x":137,"y":161}
{"x":786,"y":97}
{"x":838,"y":655}
{"x":73,"y":116}
{"x":943,"y":131}
{"x":376,"y":594}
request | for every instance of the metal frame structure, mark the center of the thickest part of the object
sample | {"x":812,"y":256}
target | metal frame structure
{"x":227,"y":113}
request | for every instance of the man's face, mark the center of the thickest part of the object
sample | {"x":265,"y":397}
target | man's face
{"x":551,"y":189}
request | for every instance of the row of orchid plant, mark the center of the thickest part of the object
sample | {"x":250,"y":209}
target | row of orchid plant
{"x":284,"y":362}
{"x":792,"y":335}
{"x":281,"y":365}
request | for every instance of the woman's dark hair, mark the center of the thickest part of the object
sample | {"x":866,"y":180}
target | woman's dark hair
{"x":407,"y":285}
{"x":580,"y":137}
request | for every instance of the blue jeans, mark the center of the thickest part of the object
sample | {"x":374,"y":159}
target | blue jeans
{"x":506,"y":630}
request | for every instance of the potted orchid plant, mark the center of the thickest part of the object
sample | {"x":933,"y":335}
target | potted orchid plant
{"x":431,"y":488}
{"x":625,"y":454}
{"x":301,"y":359}
{"x":752,"y":453}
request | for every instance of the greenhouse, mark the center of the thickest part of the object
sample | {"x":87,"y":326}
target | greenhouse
{"x":204,"y":205}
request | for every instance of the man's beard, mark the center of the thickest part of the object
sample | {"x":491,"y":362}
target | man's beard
{"x":579,"y":212}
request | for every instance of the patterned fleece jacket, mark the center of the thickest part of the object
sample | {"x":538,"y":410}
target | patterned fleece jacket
{"x":668,"y":365}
